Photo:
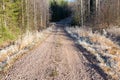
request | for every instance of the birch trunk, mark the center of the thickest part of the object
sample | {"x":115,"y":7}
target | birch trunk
{"x":35,"y":16}
{"x":22,"y":3}
{"x":4,"y":15}
{"x":118,"y":11}
{"x":82,"y":22}
{"x":27,"y":14}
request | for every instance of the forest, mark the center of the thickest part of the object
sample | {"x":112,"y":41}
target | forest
{"x":19,"y":16}
{"x":97,"y":12}
{"x":59,"y":39}
{"x":59,"y":10}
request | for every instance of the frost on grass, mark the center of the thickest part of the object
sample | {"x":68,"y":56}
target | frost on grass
{"x":26,"y":42}
{"x":105,"y":50}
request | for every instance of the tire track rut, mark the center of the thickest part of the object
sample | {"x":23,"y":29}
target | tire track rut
{"x":56,"y":58}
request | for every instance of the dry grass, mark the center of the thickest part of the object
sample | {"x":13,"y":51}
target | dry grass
{"x":97,"y":44}
{"x":14,"y":52}
{"x":3,"y":57}
{"x":106,"y":69}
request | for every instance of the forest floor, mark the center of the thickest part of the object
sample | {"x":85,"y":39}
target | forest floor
{"x":57,"y":58}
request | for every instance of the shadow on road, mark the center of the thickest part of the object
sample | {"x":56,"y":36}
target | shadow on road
{"x":88,"y":56}
{"x":92,"y":60}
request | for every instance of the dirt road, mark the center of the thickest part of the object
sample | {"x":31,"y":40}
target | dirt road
{"x":57,"y":58}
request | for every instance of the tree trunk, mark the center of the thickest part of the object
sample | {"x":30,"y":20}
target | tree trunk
{"x":4,"y":14}
{"x":35,"y":16}
{"x":27,"y":14}
{"x":82,"y":18}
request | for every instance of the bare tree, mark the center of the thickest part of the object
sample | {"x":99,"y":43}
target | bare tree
{"x":97,"y":12}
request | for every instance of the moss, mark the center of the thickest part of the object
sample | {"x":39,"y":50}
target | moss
{"x":54,"y":73}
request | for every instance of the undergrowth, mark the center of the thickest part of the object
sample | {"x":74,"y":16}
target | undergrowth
{"x":7,"y":35}
{"x":106,"y":51}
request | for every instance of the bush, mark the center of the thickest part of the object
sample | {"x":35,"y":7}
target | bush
{"x":7,"y":35}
